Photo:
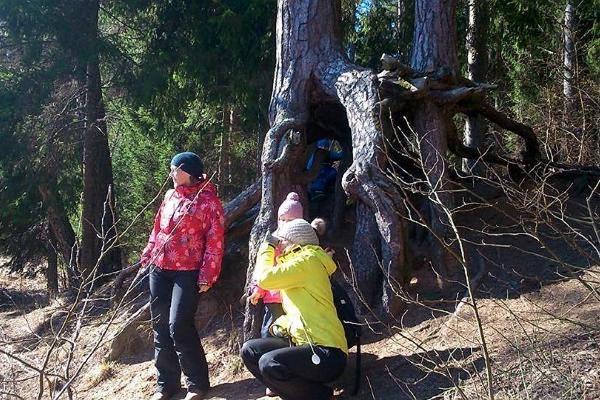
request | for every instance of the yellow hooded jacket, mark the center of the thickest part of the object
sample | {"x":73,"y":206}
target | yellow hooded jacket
{"x":302,"y":277}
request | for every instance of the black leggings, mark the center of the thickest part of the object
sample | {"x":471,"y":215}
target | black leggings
{"x":289,"y":371}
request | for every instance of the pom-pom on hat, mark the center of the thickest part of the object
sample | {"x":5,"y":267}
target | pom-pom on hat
{"x":190,"y":163}
{"x":319,"y":225}
{"x":291,"y":208}
{"x":297,"y":231}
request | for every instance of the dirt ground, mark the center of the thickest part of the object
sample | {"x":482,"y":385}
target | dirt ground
{"x":542,"y":345}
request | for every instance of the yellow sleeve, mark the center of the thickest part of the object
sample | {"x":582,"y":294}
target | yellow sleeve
{"x":289,"y":274}
{"x":265,"y":259}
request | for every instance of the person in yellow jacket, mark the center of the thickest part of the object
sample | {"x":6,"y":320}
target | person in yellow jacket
{"x":309,"y":348}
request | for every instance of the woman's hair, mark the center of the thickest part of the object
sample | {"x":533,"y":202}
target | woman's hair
{"x":319,"y":225}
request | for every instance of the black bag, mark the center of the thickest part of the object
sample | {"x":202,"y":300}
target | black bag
{"x":352,"y":329}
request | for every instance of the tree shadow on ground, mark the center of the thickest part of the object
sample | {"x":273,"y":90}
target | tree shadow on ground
{"x":504,"y":258}
{"x":418,"y":376}
{"x":19,"y":302}
{"x":521,"y":252}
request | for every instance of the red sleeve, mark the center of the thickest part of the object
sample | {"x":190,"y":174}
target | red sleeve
{"x":214,"y":244}
{"x":147,"y":253}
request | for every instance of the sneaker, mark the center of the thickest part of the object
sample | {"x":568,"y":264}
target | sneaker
{"x":164,"y":394}
{"x":195,"y":394}
{"x":160,"y":396}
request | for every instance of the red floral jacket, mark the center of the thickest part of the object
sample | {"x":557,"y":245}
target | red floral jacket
{"x":188,"y":232}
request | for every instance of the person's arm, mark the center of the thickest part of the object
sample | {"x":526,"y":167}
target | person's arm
{"x":147,"y":253}
{"x":289,"y":274}
{"x":214,"y":245}
{"x":265,"y":260}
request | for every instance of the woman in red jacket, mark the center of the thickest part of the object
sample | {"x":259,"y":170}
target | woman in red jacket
{"x":184,"y":254}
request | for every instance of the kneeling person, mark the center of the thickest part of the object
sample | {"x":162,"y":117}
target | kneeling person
{"x":310,"y":347}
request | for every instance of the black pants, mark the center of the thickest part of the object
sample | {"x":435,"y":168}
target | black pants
{"x":289,"y":371}
{"x":174,"y":299}
{"x":272,"y":312}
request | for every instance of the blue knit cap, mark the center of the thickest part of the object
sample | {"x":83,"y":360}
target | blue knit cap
{"x":190,"y":163}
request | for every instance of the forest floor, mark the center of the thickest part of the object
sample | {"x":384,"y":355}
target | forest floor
{"x":541,"y":343}
{"x":542,"y":331}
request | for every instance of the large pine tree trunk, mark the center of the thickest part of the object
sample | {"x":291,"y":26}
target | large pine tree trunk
{"x":99,"y":214}
{"x":434,"y":53}
{"x":313,"y":70}
{"x":477,"y":57}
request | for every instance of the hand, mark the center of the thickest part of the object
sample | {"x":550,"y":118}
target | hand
{"x":203,"y":288}
{"x":254,"y":297}
{"x":272,"y":240}
{"x":278,"y":331}
{"x":330,"y":252}
{"x":142,"y":270}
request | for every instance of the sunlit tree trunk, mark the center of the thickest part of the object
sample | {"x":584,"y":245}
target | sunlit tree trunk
{"x":434,"y":52}
{"x":569,"y":60}
{"x":477,"y":58}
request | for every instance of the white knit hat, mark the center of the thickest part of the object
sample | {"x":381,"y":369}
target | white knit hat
{"x":297,"y":231}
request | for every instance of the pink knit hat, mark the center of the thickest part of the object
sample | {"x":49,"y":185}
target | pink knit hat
{"x":291,"y":208}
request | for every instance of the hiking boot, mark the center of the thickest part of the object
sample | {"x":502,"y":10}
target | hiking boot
{"x":195,"y":394}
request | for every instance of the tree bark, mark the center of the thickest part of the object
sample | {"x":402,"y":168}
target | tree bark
{"x":367,"y":248}
{"x":434,"y":52}
{"x":477,"y":57}
{"x":98,"y":214}
{"x":569,"y":61}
